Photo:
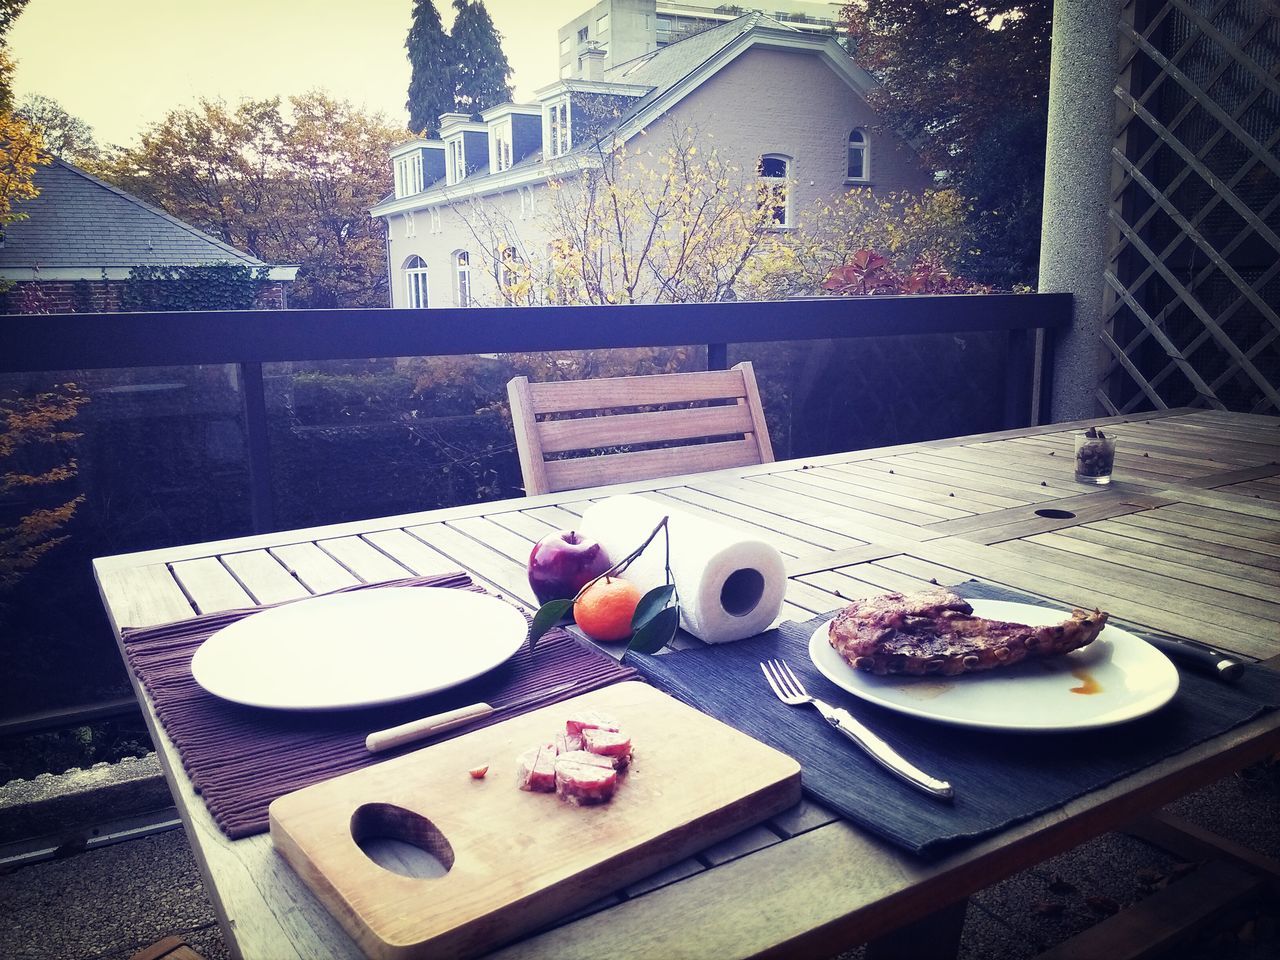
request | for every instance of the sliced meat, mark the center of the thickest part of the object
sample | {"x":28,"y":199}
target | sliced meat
{"x":536,"y":769}
{"x":588,"y":720}
{"x":935,"y":632}
{"x":584,"y":783}
{"x":608,"y":743}
{"x":567,"y":743}
{"x":590,"y":759}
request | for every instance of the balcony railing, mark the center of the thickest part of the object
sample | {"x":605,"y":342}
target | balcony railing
{"x":250,"y":338}
{"x":33,"y":344}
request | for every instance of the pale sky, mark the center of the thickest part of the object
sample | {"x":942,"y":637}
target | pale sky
{"x":120,"y":65}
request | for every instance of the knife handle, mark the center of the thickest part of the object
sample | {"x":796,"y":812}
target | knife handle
{"x":884,"y":754}
{"x":1203,"y":658}
{"x":394,"y":737}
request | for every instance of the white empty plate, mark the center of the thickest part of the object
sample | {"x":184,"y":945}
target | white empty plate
{"x":1116,"y":678}
{"x":359,"y":649}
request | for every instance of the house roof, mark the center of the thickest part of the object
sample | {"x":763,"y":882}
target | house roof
{"x":79,"y":226}
{"x":671,"y":72}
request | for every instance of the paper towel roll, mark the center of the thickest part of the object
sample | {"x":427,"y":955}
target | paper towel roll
{"x":730,"y":584}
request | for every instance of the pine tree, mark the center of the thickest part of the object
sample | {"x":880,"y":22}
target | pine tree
{"x":431,"y":58}
{"x":483,"y":73}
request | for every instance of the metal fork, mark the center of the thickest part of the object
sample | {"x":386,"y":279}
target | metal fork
{"x":792,"y":692}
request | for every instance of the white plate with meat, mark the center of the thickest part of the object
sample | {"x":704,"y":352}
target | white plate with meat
{"x":359,"y":649}
{"x":1113,"y":678}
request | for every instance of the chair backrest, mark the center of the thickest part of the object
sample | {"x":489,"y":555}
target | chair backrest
{"x":590,"y":416}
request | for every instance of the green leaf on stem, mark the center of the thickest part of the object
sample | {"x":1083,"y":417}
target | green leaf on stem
{"x":651,"y":604}
{"x":657,"y":633}
{"x":548,"y":615}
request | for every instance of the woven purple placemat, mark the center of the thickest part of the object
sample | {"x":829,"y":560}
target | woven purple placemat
{"x":241,"y":758}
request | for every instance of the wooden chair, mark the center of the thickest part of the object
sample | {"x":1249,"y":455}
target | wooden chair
{"x":592,"y":415}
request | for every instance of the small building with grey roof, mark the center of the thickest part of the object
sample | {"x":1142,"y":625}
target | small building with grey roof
{"x":83,"y":239}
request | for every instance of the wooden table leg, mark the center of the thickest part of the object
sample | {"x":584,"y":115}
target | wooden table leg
{"x":936,"y":937}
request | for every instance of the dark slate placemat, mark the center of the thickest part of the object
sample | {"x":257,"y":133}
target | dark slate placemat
{"x":241,"y":758}
{"x":999,"y":778}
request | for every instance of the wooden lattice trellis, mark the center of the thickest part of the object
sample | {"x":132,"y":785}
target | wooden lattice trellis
{"x":1193,"y":272}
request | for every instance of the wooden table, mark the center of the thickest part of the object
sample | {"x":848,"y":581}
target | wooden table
{"x":1186,"y":541}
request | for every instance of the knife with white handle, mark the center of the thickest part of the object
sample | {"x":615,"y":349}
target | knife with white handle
{"x":394,"y":737}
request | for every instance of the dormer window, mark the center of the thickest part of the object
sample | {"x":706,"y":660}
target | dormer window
{"x":559,"y":132}
{"x":408,"y":174}
{"x":455,"y":161}
{"x":500,"y":146}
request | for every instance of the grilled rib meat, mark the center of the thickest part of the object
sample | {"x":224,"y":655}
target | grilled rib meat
{"x":935,"y":632}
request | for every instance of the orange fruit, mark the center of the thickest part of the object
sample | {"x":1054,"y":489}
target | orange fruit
{"x":605,"y":608}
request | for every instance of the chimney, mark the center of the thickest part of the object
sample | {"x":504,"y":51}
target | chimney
{"x":593,"y":62}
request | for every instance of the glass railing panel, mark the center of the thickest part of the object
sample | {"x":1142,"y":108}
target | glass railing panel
{"x":825,"y":396}
{"x":95,"y":463}
{"x":371,"y":438}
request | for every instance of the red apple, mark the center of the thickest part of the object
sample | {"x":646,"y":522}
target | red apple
{"x":562,"y":562}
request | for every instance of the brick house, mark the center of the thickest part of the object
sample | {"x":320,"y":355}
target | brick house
{"x":784,"y":102}
{"x":83,"y":237}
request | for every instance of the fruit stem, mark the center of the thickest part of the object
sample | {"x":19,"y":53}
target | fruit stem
{"x":626,"y":561}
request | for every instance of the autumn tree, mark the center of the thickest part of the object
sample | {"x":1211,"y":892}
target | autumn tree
{"x":432,"y":68}
{"x":36,"y":462}
{"x":481,"y":72}
{"x":666,"y":218}
{"x":967,"y":83}
{"x":65,"y":136}
{"x":288,"y":184}
{"x":21,"y":148}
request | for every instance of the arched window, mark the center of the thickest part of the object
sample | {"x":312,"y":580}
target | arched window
{"x":859,"y":157}
{"x":415,"y":283}
{"x":775,"y":188}
{"x":462,"y":278}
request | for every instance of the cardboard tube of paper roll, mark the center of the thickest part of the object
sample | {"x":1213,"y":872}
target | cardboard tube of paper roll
{"x":730,"y":583}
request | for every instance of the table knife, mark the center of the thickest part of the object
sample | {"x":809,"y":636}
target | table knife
{"x":393,"y":737}
{"x":1199,"y":656}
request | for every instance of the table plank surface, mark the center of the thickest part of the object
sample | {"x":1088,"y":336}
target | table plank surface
{"x":1186,"y":541}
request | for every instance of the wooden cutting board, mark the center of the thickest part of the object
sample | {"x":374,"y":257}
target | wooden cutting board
{"x":519,"y":860}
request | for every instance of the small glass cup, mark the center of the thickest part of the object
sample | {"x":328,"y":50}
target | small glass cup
{"x":1095,"y":456}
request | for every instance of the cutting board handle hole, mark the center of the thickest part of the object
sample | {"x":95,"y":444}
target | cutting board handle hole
{"x":401,"y":841}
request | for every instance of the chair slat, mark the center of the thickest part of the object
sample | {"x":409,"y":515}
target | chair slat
{"x":647,"y":464}
{"x":559,"y":436}
{"x":569,"y":396}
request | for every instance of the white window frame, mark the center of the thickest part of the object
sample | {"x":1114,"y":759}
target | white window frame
{"x":557,"y":127}
{"x":500,"y":146}
{"x":865,"y":147}
{"x":584,"y":34}
{"x":408,"y":171}
{"x":455,"y":160}
{"x":772,"y":183}
{"x":462,"y":278}
{"x":416,"y":287}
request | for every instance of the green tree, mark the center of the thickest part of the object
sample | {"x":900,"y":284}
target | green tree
{"x":432,"y":66}
{"x":64,"y":135}
{"x":482,"y":72}
{"x":967,"y":83}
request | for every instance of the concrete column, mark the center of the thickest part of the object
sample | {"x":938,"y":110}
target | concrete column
{"x":1077,"y":188}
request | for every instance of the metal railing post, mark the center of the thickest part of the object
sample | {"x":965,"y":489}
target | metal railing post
{"x":258,"y":448}
{"x":717,"y":356}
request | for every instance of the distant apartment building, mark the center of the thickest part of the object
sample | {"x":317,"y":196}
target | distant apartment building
{"x":780,"y":102}
{"x":626,"y":29}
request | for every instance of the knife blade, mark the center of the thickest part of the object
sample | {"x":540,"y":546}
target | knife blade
{"x":397,"y":736}
{"x":1199,"y":656}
